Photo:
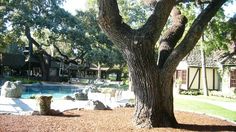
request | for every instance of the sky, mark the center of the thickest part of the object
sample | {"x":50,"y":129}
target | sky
{"x":73,"y":5}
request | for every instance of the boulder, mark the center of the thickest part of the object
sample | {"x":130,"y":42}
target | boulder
{"x":12,"y":89}
{"x":67,"y":97}
{"x":95,"y":105}
{"x":81,"y":96}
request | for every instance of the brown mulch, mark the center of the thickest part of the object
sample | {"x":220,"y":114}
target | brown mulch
{"x":105,"y":121}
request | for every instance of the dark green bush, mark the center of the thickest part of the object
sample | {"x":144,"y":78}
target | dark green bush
{"x":190,"y":92}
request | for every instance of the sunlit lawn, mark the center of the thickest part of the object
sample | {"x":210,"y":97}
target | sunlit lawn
{"x":203,"y":107}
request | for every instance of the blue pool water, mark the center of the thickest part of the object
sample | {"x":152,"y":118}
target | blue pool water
{"x":56,"y":91}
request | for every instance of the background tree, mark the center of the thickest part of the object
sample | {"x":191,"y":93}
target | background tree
{"x":31,"y":18}
{"x":97,"y":49}
{"x":152,"y":79}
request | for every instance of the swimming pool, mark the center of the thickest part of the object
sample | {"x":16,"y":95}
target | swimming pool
{"x":57,"y":91}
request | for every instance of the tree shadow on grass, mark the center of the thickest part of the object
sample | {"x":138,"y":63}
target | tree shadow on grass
{"x":194,"y":127}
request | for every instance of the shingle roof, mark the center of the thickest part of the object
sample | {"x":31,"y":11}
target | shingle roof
{"x":194,"y":59}
{"x":213,"y":60}
{"x":228,"y":59}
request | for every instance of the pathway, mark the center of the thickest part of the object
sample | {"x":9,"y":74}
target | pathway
{"x":227,"y":105}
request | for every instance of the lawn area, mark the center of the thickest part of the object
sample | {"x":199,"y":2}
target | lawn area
{"x":203,"y":107}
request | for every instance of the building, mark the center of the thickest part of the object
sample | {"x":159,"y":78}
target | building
{"x":220,"y":72}
{"x":11,"y":63}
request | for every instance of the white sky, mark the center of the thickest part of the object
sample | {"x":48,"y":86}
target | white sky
{"x":73,"y":5}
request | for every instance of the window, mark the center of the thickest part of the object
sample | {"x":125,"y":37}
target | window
{"x":181,"y":75}
{"x":233,"y":78}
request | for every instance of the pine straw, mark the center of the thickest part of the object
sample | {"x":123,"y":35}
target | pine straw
{"x":105,"y":121}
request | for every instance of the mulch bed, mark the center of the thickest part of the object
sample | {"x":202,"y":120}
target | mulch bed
{"x":106,"y":121}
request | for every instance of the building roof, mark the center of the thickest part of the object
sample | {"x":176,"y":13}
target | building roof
{"x":213,"y":60}
{"x":228,"y":59}
{"x":194,"y":59}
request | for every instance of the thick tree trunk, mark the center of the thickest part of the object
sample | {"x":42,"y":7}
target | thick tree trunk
{"x":154,"y":94}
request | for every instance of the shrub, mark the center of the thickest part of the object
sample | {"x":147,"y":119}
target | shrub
{"x":32,"y":97}
{"x":190,"y":92}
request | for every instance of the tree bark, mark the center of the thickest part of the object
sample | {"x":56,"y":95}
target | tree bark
{"x":154,"y":99}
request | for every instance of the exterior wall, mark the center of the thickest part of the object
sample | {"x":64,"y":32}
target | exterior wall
{"x":226,"y":89}
{"x":182,"y":66}
{"x":191,"y":71}
{"x":209,"y":74}
{"x":177,"y":83}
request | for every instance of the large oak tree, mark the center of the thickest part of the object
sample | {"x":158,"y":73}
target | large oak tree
{"x":151,"y":77}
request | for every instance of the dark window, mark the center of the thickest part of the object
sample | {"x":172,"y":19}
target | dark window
{"x":181,"y":75}
{"x":233,"y":78}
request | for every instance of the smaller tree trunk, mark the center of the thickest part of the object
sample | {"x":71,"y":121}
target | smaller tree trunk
{"x":99,"y":71}
{"x":45,"y":62}
{"x":204,"y":75}
{"x":118,"y":75}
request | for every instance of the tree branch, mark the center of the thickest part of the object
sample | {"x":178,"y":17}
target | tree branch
{"x":33,"y":41}
{"x":192,"y":36}
{"x":111,"y":21}
{"x":171,"y":36}
{"x":59,"y":51}
{"x":157,"y":20}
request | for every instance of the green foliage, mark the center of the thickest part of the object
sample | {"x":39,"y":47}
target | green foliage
{"x":23,"y":80}
{"x":217,"y":34}
{"x":46,"y":19}
{"x":134,"y":13}
{"x":190,"y":92}
{"x":95,"y":44}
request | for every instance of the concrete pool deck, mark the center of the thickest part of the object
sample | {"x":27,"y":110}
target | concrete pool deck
{"x":21,"y":106}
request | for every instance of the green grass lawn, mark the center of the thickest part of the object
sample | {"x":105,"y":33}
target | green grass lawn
{"x":202,"y":107}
